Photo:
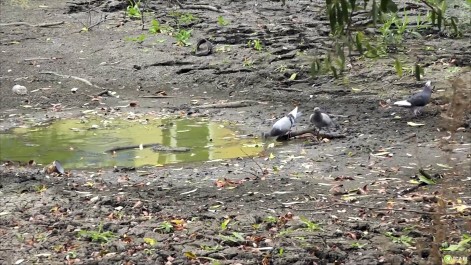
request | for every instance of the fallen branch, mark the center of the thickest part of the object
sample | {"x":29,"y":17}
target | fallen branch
{"x":83,"y":80}
{"x":155,"y":147}
{"x":202,"y":7}
{"x":288,"y":89}
{"x":312,"y":130}
{"x":103,"y":19}
{"x":234,"y":104}
{"x":156,"y":96}
{"x":207,"y":51}
{"x":42,"y":25}
{"x":369,"y":208}
{"x":41,"y":59}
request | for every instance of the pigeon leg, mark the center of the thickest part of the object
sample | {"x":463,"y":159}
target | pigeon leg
{"x":417,"y":111}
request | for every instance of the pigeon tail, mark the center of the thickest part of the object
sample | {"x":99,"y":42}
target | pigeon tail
{"x":403,"y":103}
{"x":294,"y":112}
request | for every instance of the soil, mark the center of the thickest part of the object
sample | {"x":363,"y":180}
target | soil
{"x":343,"y":201}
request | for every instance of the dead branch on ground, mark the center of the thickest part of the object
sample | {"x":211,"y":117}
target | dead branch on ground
{"x":234,"y":104}
{"x":156,"y":147}
{"x":312,"y":130}
{"x":83,"y":80}
{"x":201,"y":7}
{"x":42,"y":25}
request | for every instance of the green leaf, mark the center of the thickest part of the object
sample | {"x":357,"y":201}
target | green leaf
{"x":387,"y":6}
{"x":345,"y":13}
{"x":426,"y":180}
{"x":150,"y":241}
{"x":225,"y":223}
{"x":418,"y":72}
{"x":359,"y":41}
{"x":190,"y":255}
{"x":293,"y":76}
{"x":374,"y":12}
{"x":398,"y":67}
{"x":334,"y":71}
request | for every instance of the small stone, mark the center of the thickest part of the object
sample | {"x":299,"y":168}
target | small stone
{"x":74,"y":89}
{"x":19,"y":90}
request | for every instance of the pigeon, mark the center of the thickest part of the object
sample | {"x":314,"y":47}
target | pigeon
{"x":417,"y":101}
{"x":283,"y":125}
{"x":320,"y":119}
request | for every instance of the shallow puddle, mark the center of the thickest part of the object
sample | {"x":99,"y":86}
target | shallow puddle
{"x":83,"y":143}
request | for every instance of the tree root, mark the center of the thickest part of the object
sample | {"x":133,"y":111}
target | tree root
{"x":201,"y":7}
{"x":42,"y":25}
{"x":83,"y":80}
{"x":234,"y":104}
{"x":312,"y":130}
{"x":155,"y":147}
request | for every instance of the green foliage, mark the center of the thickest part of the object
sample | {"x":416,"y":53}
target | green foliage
{"x":418,"y":72}
{"x":310,"y":225}
{"x":357,"y":245}
{"x":222,"y":22}
{"x":150,"y":241}
{"x":403,"y":239}
{"x":398,"y":67}
{"x":40,"y":188}
{"x":133,"y":10}
{"x":98,"y":235}
{"x":138,"y":39}
{"x":393,"y":29}
{"x":438,"y":19}
{"x":463,"y":245}
{"x":165,"y":227}
{"x":281,"y":251}
{"x":225,"y":223}
{"x":183,"y":18}
{"x":155,"y":27}
{"x":270,"y":220}
{"x":235,"y":237}
{"x":247,"y":63}
{"x":256,"y":44}
{"x":334,"y":63}
{"x":182,"y":37}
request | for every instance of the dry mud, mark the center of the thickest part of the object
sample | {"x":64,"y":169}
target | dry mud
{"x":344,"y":201}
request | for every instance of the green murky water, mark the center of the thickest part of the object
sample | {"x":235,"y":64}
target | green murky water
{"x":82,"y":143}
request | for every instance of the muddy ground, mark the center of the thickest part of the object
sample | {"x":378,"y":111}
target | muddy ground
{"x":343,"y":201}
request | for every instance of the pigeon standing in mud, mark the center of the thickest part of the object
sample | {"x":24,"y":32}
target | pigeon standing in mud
{"x":321,"y":120}
{"x":283,"y":125}
{"x":417,"y":101}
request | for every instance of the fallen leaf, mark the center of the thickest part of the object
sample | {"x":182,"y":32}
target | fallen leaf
{"x":413,"y":124}
{"x":190,"y":255}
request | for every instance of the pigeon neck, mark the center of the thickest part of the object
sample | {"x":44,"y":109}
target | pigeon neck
{"x":291,"y":118}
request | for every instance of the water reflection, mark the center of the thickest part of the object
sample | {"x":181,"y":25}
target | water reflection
{"x":82,"y":143}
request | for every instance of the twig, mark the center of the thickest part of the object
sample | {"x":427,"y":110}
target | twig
{"x":71,"y":76}
{"x":41,"y":59}
{"x":311,"y":130}
{"x":42,"y":25}
{"x":98,"y":23}
{"x":157,"y":148}
{"x":156,"y":96}
{"x":204,"y":7}
{"x":234,"y":104}
{"x":256,"y":163}
{"x":368,"y":207}
{"x":288,"y":89}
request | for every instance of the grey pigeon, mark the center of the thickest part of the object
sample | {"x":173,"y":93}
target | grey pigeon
{"x":417,"y":101}
{"x":321,"y":120}
{"x":283,"y":125}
